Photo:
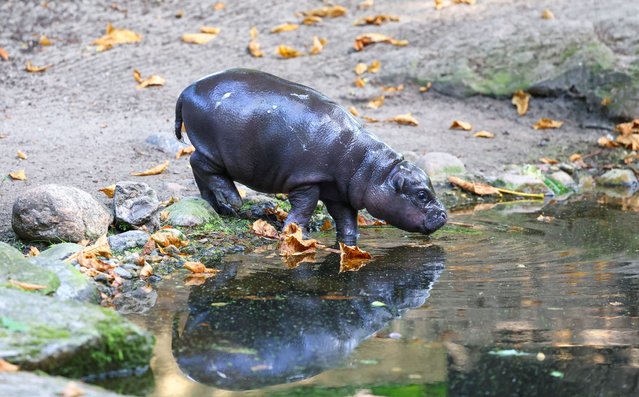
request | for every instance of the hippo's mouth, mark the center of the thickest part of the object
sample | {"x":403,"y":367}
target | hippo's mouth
{"x":433,"y":223}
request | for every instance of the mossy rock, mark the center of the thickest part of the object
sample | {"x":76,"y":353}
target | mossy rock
{"x":26,"y":384}
{"x":14,"y":268}
{"x":69,"y":338}
{"x":191,"y":211}
{"x":73,"y":284}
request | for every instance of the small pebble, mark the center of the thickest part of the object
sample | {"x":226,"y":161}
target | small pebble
{"x":122,"y":272}
{"x":541,"y":356}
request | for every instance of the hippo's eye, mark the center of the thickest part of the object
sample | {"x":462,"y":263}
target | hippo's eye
{"x":422,"y":195}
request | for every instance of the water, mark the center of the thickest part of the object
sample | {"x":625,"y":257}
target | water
{"x":498,"y":304}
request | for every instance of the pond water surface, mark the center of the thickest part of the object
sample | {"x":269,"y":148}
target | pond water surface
{"x":499,"y":303}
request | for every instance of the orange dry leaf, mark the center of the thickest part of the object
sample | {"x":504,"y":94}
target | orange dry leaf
{"x":31,"y":68}
{"x":376,"y":20}
{"x":196,"y":279}
{"x":366,"y":4}
{"x":364,"y":40}
{"x":375,"y":103}
{"x":311,"y":20}
{"x":114,"y":37}
{"x":469,"y":2}
{"x":184,"y":151}
{"x":545,"y":123}
{"x":254,"y":49}
{"x":108,"y":190}
{"x":483,"y":134}
{"x":477,"y":188}
{"x":631,"y":127}
{"x":359,"y":82}
{"x":363,"y":221}
{"x":21,"y":155}
{"x":153,"y":80}
{"x":4,"y":54}
{"x":439,"y":4}
{"x":198,"y":38}
{"x":375,"y":66}
{"x":146,"y":271}
{"x":294,"y":243}
{"x":393,"y":89}
{"x":352,"y":259}
{"x":318,"y":45}
{"x":101,"y":247}
{"x":425,"y":88}
{"x":521,"y":99}
{"x":371,"y":119}
{"x":546,"y":160}
{"x":253,"y":32}
{"x":218,"y":6}
{"x":18,"y":175}
{"x":72,"y":390}
{"x":327,"y":225}
{"x":158,"y":169}
{"x":547,"y":14}
{"x":575,"y":157}
{"x":33,"y":251}
{"x":607,"y":142}
{"x":209,"y":30}
{"x":629,"y":141}
{"x":198,"y":267}
{"x":287,"y":52}
{"x":262,"y":228}
{"x":44,"y":41}
{"x":169,"y":236}
{"x":6,"y":366}
{"x":404,"y":119}
{"x":27,"y":286}
{"x":606,"y":101}
{"x":331,"y":12}
{"x":285,"y":27}
{"x":460,"y":125}
{"x":360,"y":68}
{"x":353,"y":111}
{"x":279,"y":213}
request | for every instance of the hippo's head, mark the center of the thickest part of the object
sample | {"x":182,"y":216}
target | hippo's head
{"x":406,"y":199}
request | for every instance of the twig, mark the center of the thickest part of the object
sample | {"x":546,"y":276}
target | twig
{"x":522,"y":194}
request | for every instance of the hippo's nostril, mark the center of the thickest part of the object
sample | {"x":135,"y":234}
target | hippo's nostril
{"x":444,"y":216}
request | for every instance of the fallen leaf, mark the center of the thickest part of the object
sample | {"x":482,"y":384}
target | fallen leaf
{"x":439,"y":4}
{"x":158,"y":169}
{"x":169,"y":236}
{"x":352,"y":258}
{"x":546,"y":160}
{"x":575,"y":157}
{"x":209,"y":30}
{"x":545,"y":219}
{"x":29,"y":67}
{"x":607,"y":142}
{"x":483,"y":134}
{"x":375,"y":103}
{"x":115,"y":37}
{"x":148,"y":247}
{"x":184,"y":151}
{"x":72,"y":390}
{"x":4,"y":54}
{"x":366,"y":4}
{"x":353,"y":111}
{"x":6,"y":366}
{"x":198,"y":38}
{"x":426,"y":87}
{"x":631,"y":127}
{"x":293,"y":242}
{"x":629,"y":141}
{"x":606,"y":101}
{"x":195,"y":279}
{"x":370,"y":119}
{"x":330,"y":12}
{"x":376,"y":20}
{"x":460,"y":125}
{"x":393,"y":89}
{"x":146,"y":271}
{"x":545,"y":123}
{"x":327,"y":225}
{"x":287,"y":52}
{"x":27,"y":286}
{"x":179,"y":14}
{"x":262,"y":228}
{"x":279,"y":213}
{"x":480,"y":189}
{"x":375,"y":66}
{"x":254,"y":49}
{"x":359,"y":82}
{"x":153,"y":80}
{"x":108,"y":190}
{"x":18,"y":175}
{"x":404,"y":119}
{"x":44,"y":41}
{"x":198,"y":267}
{"x":311,"y":20}
{"x":360,"y":68}
{"x":364,"y":40}
{"x":33,"y":251}
{"x":318,"y":45}
{"x":21,"y":155}
{"x":218,"y":6}
{"x":285,"y":27}
{"x":521,"y":99}
{"x":547,"y":14}
{"x":253,"y":32}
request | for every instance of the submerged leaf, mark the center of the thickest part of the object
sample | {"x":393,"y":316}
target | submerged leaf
{"x":158,"y":169}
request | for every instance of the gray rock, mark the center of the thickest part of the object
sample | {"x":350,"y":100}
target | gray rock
{"x":59,"y":337}
{"x":137,"y":300}
{"x":15,"y":268}
{"x":617,"y":177}
{"x":136,"y":204}
{"x":122,"y":272}
{"x":59,"y":213}
{"x":524,"y":183}
{"x":26,"y":384}
{"x":61,"y":251}
{"x":128,"y":240}
{"x":165,"y":143}
{"x":439,"y":166}
{"x":191,"y":211}
{"x":73,"y":284}
{"x":564,"y":178}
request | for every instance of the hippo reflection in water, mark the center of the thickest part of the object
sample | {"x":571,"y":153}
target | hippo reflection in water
{"x":280,"y":326}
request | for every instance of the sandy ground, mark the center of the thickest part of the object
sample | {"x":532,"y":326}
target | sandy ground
{"x":83,"y":122}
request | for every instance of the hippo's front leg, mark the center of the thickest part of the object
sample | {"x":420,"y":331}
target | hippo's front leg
{"x":303,"y":201}
{"x":215,"y":187}
{"x":345,"y":218}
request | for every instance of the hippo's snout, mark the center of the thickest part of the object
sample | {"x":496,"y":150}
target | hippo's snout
{"x":436,"y":218}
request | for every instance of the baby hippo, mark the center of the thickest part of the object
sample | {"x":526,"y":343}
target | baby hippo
{"x":276,"y":136}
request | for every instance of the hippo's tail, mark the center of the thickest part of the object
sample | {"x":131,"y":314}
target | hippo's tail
{"x":178,"y":118}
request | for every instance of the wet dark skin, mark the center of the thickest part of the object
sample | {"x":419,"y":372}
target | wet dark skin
{"x":276,"y":136}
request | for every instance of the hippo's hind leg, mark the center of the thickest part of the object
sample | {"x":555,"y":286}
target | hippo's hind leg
{"x":303,"y":201}
{"x":215,"y":186}
{"x":345,"y":218}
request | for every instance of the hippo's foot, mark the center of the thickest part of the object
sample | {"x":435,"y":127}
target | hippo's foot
{"x":345,"y":218}
{"x":215,"y":186}
{"x":303,"y":201}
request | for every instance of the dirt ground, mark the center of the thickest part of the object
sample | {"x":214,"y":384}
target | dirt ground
{"x":83,"y":122}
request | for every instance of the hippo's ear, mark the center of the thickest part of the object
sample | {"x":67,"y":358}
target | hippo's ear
{"x":397,"y":181}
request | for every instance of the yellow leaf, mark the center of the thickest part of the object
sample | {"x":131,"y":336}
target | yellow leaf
{"x":285,"y":27}
{"x":327,"y":225}
{"x":352,"y":258}
{"x":198,"y":38}
{"x":480,"y":189}
{"x":607,"y":143}
{"x":461,"y":125}
{"x":153,"y":80}
{"x":364,"y":40}
{"x":370,"y":119}
{"x":158,"y":169}
{"x":72,"y":390}
{"x":353,"y":111}
{"x":6,"y":366}
{"x":137,"y":75}
{"x":29,"y":67}
{"x":331,"y":12}
{"x":254,"y":49}
{"x":484,"y":134}
{"x":375,"y":66}
{"x":311,"y":20}
{"x":21,"y":155}
{"x":33,"y":251}
{"x":606,"y":101}
{"x":184,"y":151}
{"x":108,"y":190}
{"x":575,"y":157}
{"x":360,"y":82}
{"x":376,"y":20}
{"x":425,"y":88}
{"x":27,"y":286}
{"x":293,"y":242}
{"x":253,"y":32}
{"x":115,"y":37}
{"x":167,"y":236}
{"x":369,"y":221}
{"x":198,"y":267}
{"x":545,"y":123}
{"x":44,"y":41}
{"x":404,"y":119}
{"x":218,"y":6}
{"x":287,"y":52}
{"x":376,"y":103}
{"x":469,"y":2}
{"x":546,"y":160}
{"x":393,"y":89}
{"x":547,"y":14}
{"x":439,"y":4}
{"x":209,"y":30}
{"x":4,"y":54}
{"x":18,"y":175}
{"x":318,"y":45}
{"x":146,"y":270}
{"x":366,"y":4}
{"x":262,"y":228}
{"x":520,"y":99}
{"x":360,"y":68}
